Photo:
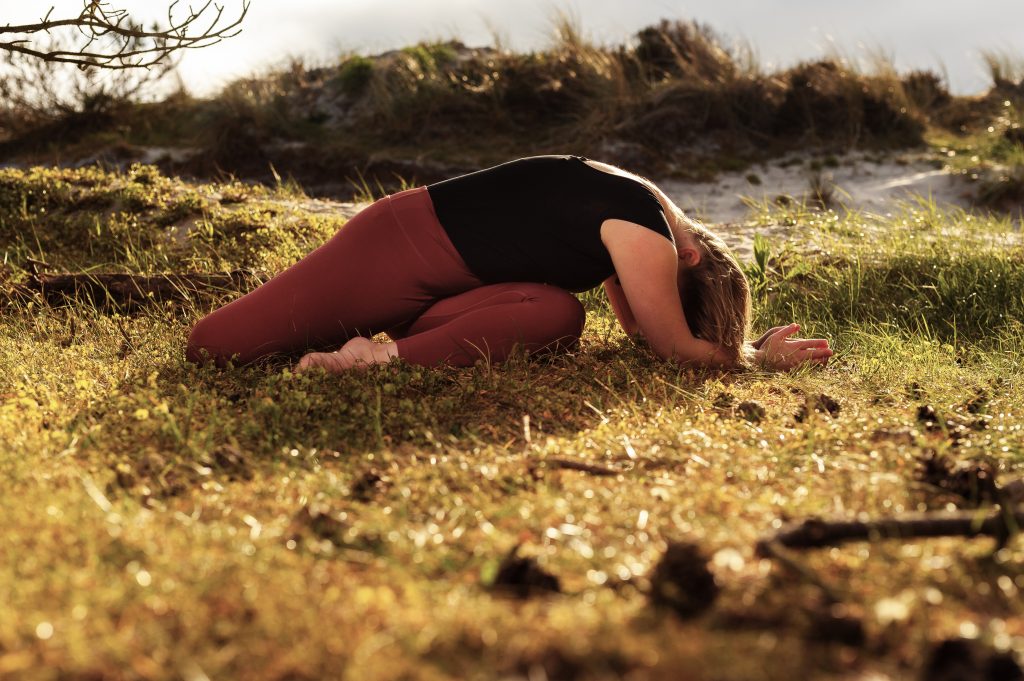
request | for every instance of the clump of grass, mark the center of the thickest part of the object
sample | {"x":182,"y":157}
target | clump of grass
{"x":1005,"y":68}
{"x":141,"y":221}
{"x":823,"y":188}
{"x":942,"y":273}
{"x":991,"y":156}
{"x":354,"y":74}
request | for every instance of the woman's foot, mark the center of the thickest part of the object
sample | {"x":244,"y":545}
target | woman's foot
{"x":358,"y":353}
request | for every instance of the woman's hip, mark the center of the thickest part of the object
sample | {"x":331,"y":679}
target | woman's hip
{"x":431,"y":250}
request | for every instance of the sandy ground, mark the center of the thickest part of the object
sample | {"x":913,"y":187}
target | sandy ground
{"x":861,"y":182}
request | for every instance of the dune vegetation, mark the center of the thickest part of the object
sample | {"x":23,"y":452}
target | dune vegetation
{"x":678,"y":100}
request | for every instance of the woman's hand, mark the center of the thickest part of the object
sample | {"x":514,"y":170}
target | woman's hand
{"x":776,"y":350}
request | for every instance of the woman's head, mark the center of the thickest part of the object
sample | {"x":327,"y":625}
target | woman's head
{"x":714,"y":292}
{"x":713,"y":289}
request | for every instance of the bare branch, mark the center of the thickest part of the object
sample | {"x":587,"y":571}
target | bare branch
{"x":109,"y":39}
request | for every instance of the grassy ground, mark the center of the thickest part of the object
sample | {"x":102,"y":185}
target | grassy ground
{"x":164,"y":521}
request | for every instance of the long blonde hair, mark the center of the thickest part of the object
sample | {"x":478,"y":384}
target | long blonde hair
{"x":714,"y":293}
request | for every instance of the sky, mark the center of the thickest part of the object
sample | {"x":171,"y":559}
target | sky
{"x":944,"y":35}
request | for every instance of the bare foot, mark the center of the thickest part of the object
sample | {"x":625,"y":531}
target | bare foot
{"x":357,"y":353}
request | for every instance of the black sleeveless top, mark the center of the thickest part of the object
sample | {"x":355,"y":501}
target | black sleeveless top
{"x":539,"y":219}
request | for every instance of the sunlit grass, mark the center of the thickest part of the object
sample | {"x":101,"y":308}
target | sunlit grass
{"x":159,"y":517}
{"x":991,"y":156}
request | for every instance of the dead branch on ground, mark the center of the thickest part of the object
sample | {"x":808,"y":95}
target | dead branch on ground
{"x":999,"y":523}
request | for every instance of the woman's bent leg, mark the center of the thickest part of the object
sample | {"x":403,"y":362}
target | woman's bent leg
{"x":486,"y":322}
{"x":382,"y":268}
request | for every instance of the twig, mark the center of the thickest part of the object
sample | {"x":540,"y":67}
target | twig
{"x":128,"y":345}
{"x":121,"y":43}
{"x":576,"y":465}
{"x":1000,"y":524}
{"x":773,"y":549}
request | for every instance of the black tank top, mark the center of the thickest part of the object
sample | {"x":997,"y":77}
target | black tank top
{"x":539,"y":219}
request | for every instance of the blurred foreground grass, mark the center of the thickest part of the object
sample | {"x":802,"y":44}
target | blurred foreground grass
{"x":164,"y":521}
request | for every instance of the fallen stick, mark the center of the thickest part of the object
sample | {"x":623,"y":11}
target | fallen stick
{"x":121,"y":289}
{"x":576,"y":465}
{"x":815,"y":533}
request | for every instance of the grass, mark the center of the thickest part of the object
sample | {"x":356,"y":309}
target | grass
{"x":991,"y":156}
{"x":165,"y":521}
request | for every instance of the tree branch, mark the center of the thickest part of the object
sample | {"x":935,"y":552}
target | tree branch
{"x":124,"y":44}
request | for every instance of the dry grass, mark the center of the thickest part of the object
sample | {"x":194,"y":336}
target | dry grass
{"x":991,"y":156}
{"x":165,"y":521}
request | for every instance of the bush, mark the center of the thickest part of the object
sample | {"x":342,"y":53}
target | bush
{"x":354,"y":75}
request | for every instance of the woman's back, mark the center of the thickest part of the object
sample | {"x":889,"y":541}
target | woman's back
{"x":539,"y":219}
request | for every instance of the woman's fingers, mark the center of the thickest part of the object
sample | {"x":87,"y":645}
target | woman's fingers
{"x":784,"y":332}
{"x":803,"y":343}
{"x":791,"y":352}
{"x":798,"y":356}
{"x":765,"y":336}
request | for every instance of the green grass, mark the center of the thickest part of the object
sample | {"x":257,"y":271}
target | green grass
{"x":165,"y":521}
{"x":991,"y":156}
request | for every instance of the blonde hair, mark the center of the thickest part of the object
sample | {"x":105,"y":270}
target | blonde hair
{"x":714,"y":293}
{"x":716,"y":296}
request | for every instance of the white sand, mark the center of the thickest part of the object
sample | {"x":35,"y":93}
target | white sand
{"x":861,"y":183}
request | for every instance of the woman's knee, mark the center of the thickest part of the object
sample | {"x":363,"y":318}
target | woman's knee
{"x":562,"y":314}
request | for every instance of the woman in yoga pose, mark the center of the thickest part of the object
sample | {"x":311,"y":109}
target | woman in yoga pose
{"x":471,"y":266}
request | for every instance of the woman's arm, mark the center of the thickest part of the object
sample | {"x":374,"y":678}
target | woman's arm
{"x":620,"y":306}
{"x":647,"y":266}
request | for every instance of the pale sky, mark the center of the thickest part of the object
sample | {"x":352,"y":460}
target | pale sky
{"x":937,"y":34}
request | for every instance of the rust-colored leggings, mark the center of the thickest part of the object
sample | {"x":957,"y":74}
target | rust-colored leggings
{"x":391,"y":268}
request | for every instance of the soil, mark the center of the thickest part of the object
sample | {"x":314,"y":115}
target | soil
{"x":682,"y":581}
{"x":974,"y":482}
{"x":522,"y":577}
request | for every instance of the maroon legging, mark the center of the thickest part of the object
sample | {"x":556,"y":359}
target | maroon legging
{"x":391,"y":268}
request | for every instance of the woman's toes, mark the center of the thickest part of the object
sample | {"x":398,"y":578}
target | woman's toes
{"x":305,"y":363}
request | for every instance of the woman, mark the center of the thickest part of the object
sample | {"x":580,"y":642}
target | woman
{"x":469,"y":267}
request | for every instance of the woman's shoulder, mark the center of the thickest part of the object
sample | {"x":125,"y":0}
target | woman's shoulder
{"x":605,"y":167}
